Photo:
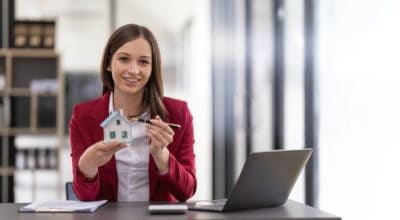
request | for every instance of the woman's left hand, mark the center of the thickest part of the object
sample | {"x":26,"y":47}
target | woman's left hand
{"x":161,"y":135}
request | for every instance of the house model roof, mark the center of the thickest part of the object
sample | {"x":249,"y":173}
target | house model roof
{"x":115,"y":114}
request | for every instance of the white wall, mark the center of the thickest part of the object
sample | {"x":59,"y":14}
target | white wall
{"x":359,"y":95}
{"x":200,"y":98}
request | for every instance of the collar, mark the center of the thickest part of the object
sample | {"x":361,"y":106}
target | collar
{"x":110,"y":103}
{"x":111,"y":107}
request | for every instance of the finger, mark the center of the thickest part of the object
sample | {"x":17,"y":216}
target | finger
{"x":157,"y":137}
{"x":121,"y":146}
{"x":105,"y":155}
{"x":165,"y":135}
{"x":157,"y":122}
{"x":110,"y":147}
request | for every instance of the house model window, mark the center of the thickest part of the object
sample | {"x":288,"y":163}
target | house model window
{"x":117,"y":128}
{"x":112,"y":134}
{"x":124,"y":134}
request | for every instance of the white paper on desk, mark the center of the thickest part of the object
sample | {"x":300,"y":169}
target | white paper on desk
{"x":63,"y":206}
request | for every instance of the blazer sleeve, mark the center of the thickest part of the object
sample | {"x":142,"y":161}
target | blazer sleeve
{"x":181,"y":181}
{"x":84,"y":189}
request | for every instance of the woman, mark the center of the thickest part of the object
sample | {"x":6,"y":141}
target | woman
{"x":159,"y":163}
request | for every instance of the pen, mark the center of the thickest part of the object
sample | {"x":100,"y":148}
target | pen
{"x":172,"y":125}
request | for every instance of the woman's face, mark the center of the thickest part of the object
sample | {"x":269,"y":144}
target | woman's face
{"x":131,"y":67}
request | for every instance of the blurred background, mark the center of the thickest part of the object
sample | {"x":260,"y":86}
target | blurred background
{"x":258,"y":75}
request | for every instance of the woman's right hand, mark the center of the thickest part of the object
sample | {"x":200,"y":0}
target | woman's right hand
{"x":97,"y":155}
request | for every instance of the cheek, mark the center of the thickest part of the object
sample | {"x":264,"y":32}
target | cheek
{"x":147,"y":77}
{"x":148,"y":73}
{"x":114,"y":74}
{"x":115,"y":70}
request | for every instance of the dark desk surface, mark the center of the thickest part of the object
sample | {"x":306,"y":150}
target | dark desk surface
{"x":138,"y":210}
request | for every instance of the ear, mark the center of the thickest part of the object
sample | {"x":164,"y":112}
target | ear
{"x":109,"y":68}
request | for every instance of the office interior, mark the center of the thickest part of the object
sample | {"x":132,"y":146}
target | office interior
{"x":258,"y":75}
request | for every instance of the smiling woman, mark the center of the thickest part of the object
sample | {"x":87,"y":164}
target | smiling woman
{"x":130,"y":68}
{"x":158,"y":164}
{"x":134,"y":48}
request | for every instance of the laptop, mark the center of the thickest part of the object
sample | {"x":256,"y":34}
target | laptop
{"x":266,"y":180}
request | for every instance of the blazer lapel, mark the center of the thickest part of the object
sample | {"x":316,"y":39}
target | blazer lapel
{"x":98,"y":114}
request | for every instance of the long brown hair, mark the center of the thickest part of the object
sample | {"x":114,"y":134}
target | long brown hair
{"x":153,"y":92}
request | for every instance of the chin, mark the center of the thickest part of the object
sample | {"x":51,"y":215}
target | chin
{"x":131,"y":90}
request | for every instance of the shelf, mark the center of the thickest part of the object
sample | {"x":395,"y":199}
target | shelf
{"x":19,"y":131}
{"x":31,"y":103}
{"x":32,"y":170}
{"x":26,"y":92}
{"x":17,"y":92}
{"x":15,"y":52}
{"x":25,"y":69}
{"x":7,"y":171}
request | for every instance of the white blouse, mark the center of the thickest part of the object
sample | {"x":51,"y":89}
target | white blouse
{"x":133,"y":163}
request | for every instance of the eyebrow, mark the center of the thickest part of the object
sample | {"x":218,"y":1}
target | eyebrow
{"x":127,"y":54}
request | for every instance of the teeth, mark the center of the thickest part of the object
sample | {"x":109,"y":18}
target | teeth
{"x":131,"y":80}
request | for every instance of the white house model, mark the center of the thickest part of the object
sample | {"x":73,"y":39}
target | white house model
{"x":117,"y":128}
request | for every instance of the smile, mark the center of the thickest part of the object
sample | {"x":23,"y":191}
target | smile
{"x":131,"y":80}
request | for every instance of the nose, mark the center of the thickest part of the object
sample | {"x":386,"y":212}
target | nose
{"x":133,"y":68}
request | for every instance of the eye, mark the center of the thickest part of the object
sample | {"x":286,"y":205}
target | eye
{"x":123,"y":59}
{"x":144,"y":62}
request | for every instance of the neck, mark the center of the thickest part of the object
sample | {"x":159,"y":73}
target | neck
{"x":130,"y":103}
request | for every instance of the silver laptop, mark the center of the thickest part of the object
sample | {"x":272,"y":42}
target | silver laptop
{"x":266,"y":180}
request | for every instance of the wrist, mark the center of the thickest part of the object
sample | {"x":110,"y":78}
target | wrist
{"x":89,"y":171}
{"x":159,"y":153}
{"x":164,"y":172}
{"x":161,"y":159}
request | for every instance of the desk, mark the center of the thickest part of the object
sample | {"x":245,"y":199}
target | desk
{"x":138,"y":210}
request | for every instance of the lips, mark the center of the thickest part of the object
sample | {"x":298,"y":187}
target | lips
{"x":130,"y":81}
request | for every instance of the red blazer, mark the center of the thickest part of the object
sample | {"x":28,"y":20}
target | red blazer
{"x":180,"y":182}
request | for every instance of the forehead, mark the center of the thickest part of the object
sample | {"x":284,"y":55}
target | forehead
{"x":139,"y":46}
